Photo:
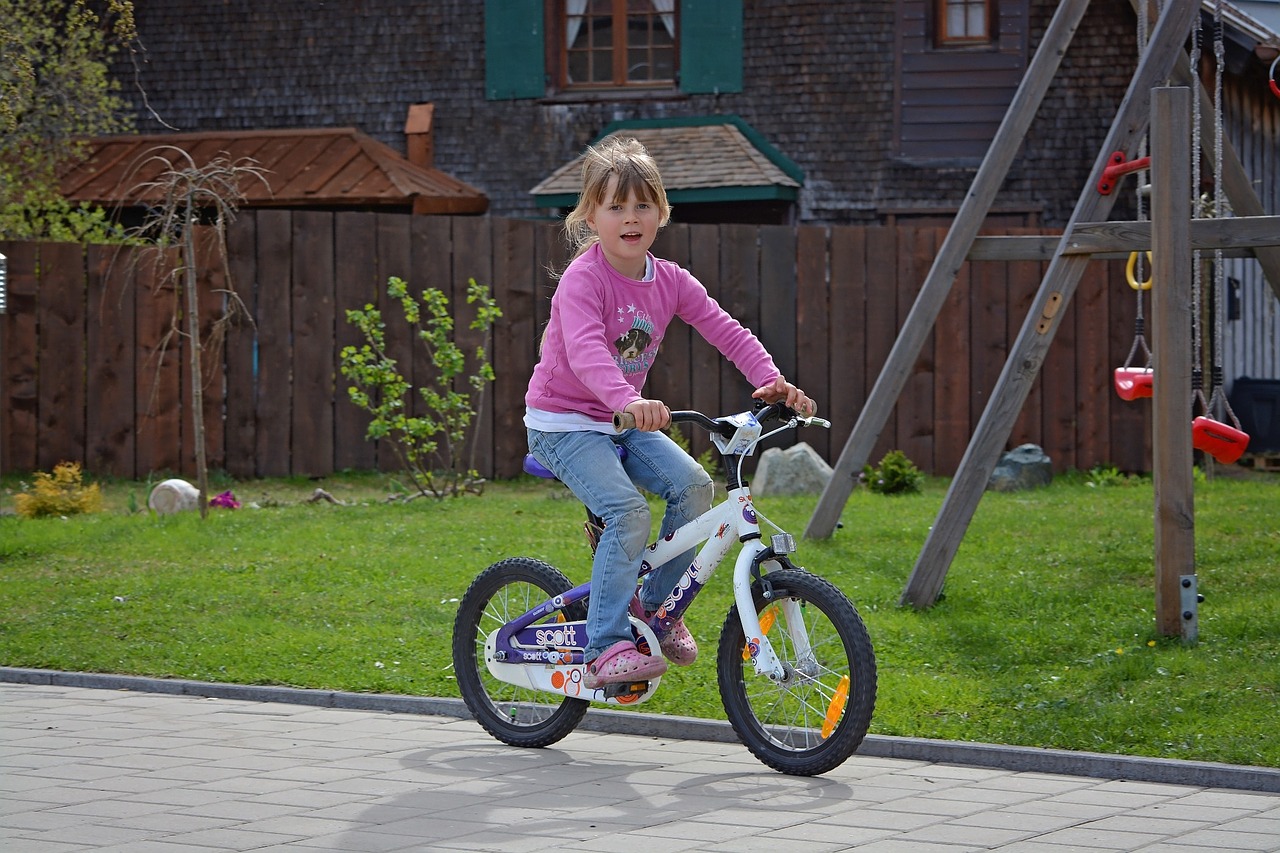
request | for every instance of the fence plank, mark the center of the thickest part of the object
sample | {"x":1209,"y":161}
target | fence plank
{"x":275,"y":330}
{"x":210,"y":292}
{"x":157,"y":391}
{"x":915,"y":405}
{"x":740,"y":296}
{"x":109,"y":403}
{"x":215,"y":303}
{"x":812,"y":329}
{"x":19,"y":421}
{"x":240,"y":429}
{"x":1093,"y":369}
{"x":952,"y":392}
{"x":1058,"y":381}
{"x":512,"y":353}
{"x":314,"y":358}
{"x":777,"y":323}
{"x":848,"y":333}
{"x":704,"y":359}
{"x":882,"y":321}
{"x":394,"y":259}
{"x":473,"y":259}
{"x":778,"y":295}
{"x":670,"y":379}
{"x":355,"y":286}
{"x":61,"y":370}
{"x":1021,"y":278}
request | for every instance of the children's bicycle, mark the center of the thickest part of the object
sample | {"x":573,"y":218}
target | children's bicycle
{"x":795,"y":664}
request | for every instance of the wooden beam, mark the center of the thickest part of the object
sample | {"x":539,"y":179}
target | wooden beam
{"x":1171,"y":317}
{"x":1237,"y":236}
{"x":951,"y":255}
{"x":1032,"y":344}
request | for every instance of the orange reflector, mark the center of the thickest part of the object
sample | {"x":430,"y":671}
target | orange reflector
{"x":836,"y":709}
{"x":766,"y":622}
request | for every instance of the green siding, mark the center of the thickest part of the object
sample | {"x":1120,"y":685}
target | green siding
{"x":711,"y":46}
{"x":514,"y":45}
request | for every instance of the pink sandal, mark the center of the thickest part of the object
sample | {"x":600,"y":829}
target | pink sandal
{"x":678,"y":645}
{"x":620,"y":663}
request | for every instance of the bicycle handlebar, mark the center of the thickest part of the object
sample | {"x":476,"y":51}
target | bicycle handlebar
{"x":625,"y":420}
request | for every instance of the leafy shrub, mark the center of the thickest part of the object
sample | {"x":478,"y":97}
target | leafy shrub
{"x":896,"y":474}
{"x":431,"y":446}
{"x":58,"y":494}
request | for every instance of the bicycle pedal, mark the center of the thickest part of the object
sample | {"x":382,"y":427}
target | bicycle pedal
{"x":625,"y":688}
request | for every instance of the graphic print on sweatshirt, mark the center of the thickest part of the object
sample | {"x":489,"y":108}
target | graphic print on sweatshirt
{"x":635,"y":337}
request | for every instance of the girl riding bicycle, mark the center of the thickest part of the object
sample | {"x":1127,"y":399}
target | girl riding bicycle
{"x":609,"y":313}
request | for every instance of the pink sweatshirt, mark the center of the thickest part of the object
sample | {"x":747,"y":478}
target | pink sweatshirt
{"x":605,"y":330}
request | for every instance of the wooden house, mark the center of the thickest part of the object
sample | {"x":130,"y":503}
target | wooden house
{"x":813,"y":147}
{"x":880,"y":112}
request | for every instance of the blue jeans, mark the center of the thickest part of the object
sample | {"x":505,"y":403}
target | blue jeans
{"x":587,"y":462}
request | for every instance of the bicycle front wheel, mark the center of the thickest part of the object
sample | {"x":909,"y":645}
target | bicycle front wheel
{"x":815,"y":717}
{"x":519,"y":716}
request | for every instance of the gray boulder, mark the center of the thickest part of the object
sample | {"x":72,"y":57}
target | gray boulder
{"x":1024,"y":467}
{"x":798,"y":470}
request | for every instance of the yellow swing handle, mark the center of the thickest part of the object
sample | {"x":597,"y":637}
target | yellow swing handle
{"x":1130,"y":272}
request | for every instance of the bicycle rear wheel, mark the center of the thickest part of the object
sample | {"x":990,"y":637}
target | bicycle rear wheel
{"x":816,"y":717}
{"x":518,"y":716}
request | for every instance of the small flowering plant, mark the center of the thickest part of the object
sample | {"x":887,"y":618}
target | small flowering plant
{"x":226,"y":500}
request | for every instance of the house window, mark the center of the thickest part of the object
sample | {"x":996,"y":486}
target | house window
{"x":541,"y":48}
{"x":618,"y":43}
{"x":963,"y":22}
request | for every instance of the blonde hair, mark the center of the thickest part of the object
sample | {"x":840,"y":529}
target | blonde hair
{"x":636,"y":170}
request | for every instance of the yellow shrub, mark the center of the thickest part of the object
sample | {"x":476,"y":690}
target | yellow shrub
{"x":60,"y":493}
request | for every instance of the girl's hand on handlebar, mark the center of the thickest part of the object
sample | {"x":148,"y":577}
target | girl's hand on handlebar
{"x":782,"y":391}
{"x":650,"y":415}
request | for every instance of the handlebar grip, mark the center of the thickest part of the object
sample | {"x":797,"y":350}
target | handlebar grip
{"x":623,"y":420}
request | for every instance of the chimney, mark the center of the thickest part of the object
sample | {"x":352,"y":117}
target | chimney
{"x":417,"y":132}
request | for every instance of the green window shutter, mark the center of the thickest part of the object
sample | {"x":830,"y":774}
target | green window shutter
{"x":514,"y":45}
{"x":710,"y":46}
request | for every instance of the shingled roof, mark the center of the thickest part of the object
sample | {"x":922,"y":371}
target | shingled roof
{"x":329,"y":167}
{"x":709,"y":159}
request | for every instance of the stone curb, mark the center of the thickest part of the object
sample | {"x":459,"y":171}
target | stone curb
{"x":1013,"y":758}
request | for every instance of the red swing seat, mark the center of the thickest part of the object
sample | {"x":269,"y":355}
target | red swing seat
{"x":1133,"y":383}
{"x":1223,"y":442}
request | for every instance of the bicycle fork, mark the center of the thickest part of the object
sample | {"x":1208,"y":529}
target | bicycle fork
{"x":758,"y":647}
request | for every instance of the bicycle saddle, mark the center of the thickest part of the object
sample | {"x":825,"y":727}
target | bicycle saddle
{"x":537,"y":469}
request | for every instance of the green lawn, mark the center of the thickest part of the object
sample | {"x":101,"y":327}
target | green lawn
{"x":1045,"y":635}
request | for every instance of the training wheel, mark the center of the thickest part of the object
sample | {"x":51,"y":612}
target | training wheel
{"x":1134,"y":382}
{"x":1223,"y":442}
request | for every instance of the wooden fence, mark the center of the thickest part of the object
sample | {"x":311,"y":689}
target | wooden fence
{"x":91,"y":371}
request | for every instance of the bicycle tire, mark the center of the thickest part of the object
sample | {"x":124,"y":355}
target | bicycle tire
{"x":518,"y":716}
{"x":801,"y":727}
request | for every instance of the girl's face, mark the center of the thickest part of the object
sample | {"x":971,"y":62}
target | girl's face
{"x":627,"y":228}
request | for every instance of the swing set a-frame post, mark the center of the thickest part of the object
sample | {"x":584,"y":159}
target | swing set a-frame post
{"x":1029,"y":349}
{"x":1084,"y":236}
{"x":951,"y":256}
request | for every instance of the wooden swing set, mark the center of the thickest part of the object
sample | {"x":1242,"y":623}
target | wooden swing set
{"x":1170,"y":237}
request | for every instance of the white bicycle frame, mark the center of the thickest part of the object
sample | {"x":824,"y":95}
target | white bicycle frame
{"x":731,"y":521}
